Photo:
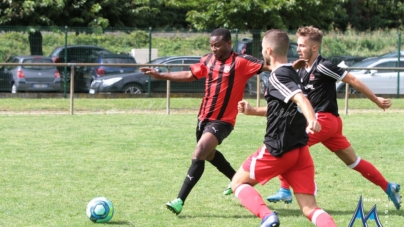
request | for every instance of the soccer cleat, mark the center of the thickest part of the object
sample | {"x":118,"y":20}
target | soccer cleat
{"x":393,"y":192}
{"x":228,"y":190}
{"x":175,"y":206}
{"x":281,"y":195}
{"x":271,"y":220}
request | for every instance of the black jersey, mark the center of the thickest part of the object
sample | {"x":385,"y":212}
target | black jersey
{"x":319,"y":85}
{"x":286,"y":124}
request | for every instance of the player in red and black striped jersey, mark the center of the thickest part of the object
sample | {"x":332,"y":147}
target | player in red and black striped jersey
{"x":319,"y":78}
{"x":285,"y":151}
{"x":226,"y":74}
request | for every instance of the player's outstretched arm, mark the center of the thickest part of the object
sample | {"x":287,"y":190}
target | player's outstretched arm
{"x":245,"y":108}
{"x":299,"y":63}
{"x":382,"y":103}
{"x":181,"y":76}
{"x":308,"y":112}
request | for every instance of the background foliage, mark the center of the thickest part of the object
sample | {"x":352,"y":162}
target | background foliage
{"x":184,"y":42}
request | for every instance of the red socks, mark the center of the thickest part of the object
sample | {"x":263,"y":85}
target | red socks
{"x":321,"y":218}
{"x":252,"y":200}
{"x":369,"y":171}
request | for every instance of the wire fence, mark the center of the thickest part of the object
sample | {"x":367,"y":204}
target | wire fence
{"x":253,"y":87}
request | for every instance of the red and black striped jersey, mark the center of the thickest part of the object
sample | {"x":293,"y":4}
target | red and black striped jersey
{"x":225,"y":84}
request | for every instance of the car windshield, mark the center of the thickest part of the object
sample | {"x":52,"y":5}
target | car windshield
{"x":364,"y":64}
{"x":38,"y":60}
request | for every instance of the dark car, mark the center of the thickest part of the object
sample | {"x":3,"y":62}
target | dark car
{"x":262,"y":85}
{"x":102,"y":70}
{"x":244,"y":46}
{"x":77,"y":54}
{"x":28,"y":78}
{"x":136,"y":83}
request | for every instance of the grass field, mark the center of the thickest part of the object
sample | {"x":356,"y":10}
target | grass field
{"x":133,"y":153}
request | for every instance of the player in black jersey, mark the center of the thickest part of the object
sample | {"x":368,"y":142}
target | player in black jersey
{"x":319,"y":78}
{"x":285,"y":151}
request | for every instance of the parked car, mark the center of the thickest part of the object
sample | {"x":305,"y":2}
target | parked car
{"x":393,"y":54}
{"x":244,"y":46}
{"x":77,"y":54}
{"x":379,"y":81}
{"x":263,"y":84}
{"x":345,"y":61}
{"x":29,"y":78}
{"x":103,"y":70}
{"x":137,"y":82}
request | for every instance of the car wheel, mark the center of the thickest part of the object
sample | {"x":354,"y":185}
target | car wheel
{"x":13,"y":89}
{"x":262,"y":87}
{"x":132,"y":89}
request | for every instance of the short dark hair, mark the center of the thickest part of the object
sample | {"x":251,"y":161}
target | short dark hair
{"x":223,"y":32}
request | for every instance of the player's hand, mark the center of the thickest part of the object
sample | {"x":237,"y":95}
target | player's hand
{"x":299,"y":63}
{"x":244,"y":107}
{"x":383,"y":103}
{"x":313,"y":126}
{"x":147,"y":70}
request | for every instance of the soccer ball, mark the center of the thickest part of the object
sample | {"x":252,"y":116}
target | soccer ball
{"x":100,"y":209}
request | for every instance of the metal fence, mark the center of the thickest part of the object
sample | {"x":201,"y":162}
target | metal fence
{"x":78,"y":67}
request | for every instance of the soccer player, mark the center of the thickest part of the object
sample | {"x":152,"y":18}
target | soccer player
{"x":319,"y":78}
{"x":226,"y":75}
{"x":285,"y":151}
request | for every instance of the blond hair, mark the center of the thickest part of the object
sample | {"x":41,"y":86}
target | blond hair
{"x":313,"y":33}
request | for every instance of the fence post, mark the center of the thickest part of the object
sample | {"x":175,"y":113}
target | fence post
{"x":168,"y":92}
{"x":71,"y":88}
{"x":150,"y":52}
{"x":65,"y":68}
{"x":399,"y":65}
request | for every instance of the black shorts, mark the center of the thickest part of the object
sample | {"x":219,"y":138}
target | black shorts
{"x":219,"y":129}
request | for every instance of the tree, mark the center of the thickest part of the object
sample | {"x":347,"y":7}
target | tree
{"x":258,"y":15}
{"x":73,"y":13}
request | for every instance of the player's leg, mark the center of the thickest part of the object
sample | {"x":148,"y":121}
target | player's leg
{"x":301,"y":178}
{"x":327,"y":122}
{"x":221,"y":130}
{"x":205,"y":147}
{"x":250,"y":198}
{"x":260,"y":167}
{"x":371,"y":173}
{"x":343,"y":149}
{"x":316,"y":215}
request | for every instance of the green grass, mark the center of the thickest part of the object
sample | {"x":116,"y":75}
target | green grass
{"x":52,"y":165}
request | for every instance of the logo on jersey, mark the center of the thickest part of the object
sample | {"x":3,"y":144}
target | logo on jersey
{"x":360,"y":214}
{"x":312,"y":76}
{"x":226,"y":69}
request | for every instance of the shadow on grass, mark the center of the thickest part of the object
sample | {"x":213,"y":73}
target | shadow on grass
{"x":284,"y":213}
{"x":120,"y":223}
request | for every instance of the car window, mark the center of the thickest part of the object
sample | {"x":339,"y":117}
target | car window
{"x":387,"y":64}
{"x":189,"y":61}
{"x":12,"y":60}
{"x":38,"y":60}
{"x":172,"y":69}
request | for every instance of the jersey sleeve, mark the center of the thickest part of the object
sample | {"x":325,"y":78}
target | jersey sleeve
{"x":199,"y":70}
{"x":284,"y":84}
{"x":249,"y":65}
{"x":331,"y":70}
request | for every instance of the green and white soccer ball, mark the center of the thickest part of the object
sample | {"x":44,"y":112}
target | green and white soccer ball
{"x":100,"y":210}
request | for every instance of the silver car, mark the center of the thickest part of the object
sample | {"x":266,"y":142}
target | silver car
{"x":380,"y":81}
{"x":30,"y":78}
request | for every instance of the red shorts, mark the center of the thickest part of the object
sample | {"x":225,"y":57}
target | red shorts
{"x":330,"y":134}
{"x":295,"y":166}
